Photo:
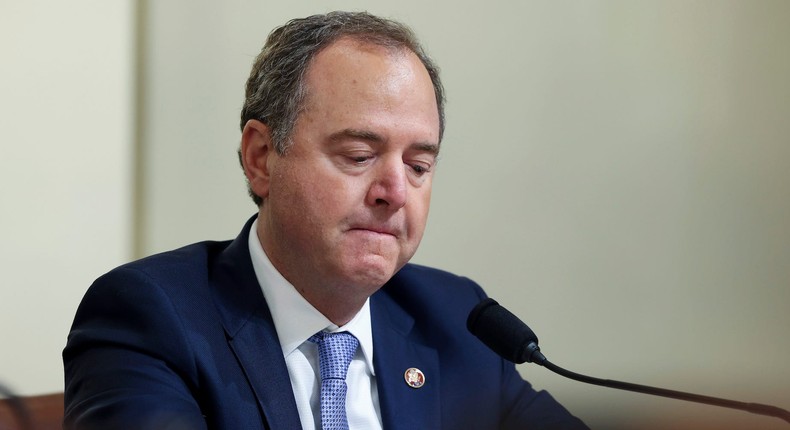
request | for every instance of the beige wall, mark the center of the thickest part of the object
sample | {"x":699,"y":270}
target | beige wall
{"x":65,"y":172}
{"x":615,"y":172}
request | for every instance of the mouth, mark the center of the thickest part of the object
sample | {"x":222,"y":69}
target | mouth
{"x":382,"y":230}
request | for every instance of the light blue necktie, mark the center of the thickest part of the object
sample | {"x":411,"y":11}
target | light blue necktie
{"x":335,"y":351}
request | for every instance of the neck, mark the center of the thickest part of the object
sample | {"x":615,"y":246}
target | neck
{"x":333,"y":305}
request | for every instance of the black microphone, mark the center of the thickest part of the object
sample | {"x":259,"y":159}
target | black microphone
{"x":509,"y":337}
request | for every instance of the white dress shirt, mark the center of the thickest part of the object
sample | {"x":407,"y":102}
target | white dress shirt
{"x":295,"y":320}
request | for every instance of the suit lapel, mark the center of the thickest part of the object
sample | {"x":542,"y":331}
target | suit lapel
{"x":251,"y":333}
{"x":395,"y":350}
{"x":261,"y":357}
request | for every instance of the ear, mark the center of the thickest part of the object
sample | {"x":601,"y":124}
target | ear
{"x":256,"y":149}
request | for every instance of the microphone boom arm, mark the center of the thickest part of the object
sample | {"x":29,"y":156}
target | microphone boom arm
{"x":755,"y":408}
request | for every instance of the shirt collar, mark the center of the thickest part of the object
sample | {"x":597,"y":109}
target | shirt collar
{"x":295,"y":319}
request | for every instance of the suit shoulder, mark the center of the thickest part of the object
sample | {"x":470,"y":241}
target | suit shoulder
{"x":435,"y":278}
{"x":417,"y":271}
{"x":178,"y":262}
{"x":416,"y":285}
{"x":171,"y":272}
{"x":195,"y":254}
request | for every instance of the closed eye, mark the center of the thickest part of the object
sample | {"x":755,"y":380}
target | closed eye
{"x":419,"y":169}
{"x":360,"y":159}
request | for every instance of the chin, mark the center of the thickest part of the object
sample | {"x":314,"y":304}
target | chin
{"x":372,"y":275}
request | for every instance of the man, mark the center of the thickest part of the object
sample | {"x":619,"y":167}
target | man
{"x":341,"y":129}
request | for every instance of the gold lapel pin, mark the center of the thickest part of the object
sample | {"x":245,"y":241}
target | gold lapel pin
{"x":414,"y":377}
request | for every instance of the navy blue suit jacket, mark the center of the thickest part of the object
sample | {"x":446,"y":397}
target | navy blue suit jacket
{"x":185,"y":340}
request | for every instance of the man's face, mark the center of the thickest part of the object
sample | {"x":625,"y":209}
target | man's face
{"x":346,"y":207}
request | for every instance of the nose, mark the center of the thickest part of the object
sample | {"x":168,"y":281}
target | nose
{"x":388,"y":186}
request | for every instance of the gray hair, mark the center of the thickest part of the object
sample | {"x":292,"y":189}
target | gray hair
{"x":276,"y":87}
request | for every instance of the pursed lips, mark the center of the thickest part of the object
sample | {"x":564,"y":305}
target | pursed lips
{"x":376,"y":229}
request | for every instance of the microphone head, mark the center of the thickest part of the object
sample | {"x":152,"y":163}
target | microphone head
{"x":503,"y":332}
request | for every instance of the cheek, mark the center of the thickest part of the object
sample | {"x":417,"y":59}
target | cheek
{"x":330,"y":203}
{"x":420,"y":206}
{"x":417,"y":218}
{"x":315,"y":197}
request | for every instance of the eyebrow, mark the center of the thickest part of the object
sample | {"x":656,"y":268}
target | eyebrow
{"x":372,"y":137}
{"x":353,"y":133}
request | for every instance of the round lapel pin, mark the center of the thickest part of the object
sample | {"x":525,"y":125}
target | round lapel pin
{"x":414,"y":377}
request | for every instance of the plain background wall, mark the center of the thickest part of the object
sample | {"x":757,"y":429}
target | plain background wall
{"x":615,"y":172}
{"x":65,"y":172}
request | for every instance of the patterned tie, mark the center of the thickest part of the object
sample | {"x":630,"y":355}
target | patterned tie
{"x":335,"y":351}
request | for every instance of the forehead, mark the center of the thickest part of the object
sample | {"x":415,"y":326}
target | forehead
{"x":351,"y":62}
{"x":358,"y":80}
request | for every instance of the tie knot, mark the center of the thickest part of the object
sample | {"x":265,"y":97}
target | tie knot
{"x":335,"y":352}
